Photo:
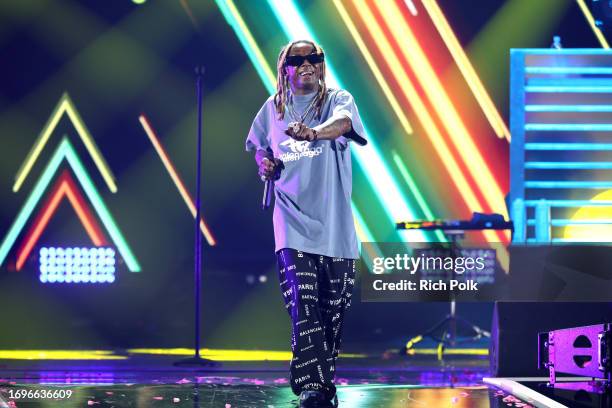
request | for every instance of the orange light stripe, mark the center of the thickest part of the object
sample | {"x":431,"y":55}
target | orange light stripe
{"x":411,"y":94}
{"x":175,"y":177}
{"x":380,"y":41}
{"x":40,"y":226}
{"x":467,"y":69}
{"x":80,"y":207}
{"x":464,"y":143}
{"x":65,"y":186}
{"x":380,"y":78}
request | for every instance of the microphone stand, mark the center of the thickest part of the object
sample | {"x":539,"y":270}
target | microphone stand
{"x":197,"y":360}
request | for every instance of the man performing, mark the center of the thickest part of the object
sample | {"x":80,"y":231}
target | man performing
{"x":301,"y":138}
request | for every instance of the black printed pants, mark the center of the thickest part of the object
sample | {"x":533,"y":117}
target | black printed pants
{"x":317,"y":291}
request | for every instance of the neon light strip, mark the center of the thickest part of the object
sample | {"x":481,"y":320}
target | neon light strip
{"x":569,"y":127}
{"x":234,"y":19}
{"x":176,"y":179}
{"x":188,"y":11}
{"x":565,"y":51}
{"x":456,"y":352}
{"x":569,"y":146}
{"x":410,"y":5}
{"x":569,"y":89}
{"x":65,"y":150}
{"x":386,"y":90}
{"x":466,"y":68}
{"x":380,"y":78}
{"x":569,"y":165}
{"x":570,"y":203}
{"x":64,"y":187}
{"x":422,"y":113}
{"x":227,"y":355}
{"x":569,"y":241}
{"x":83,"y":210}
{"x":360,"y":225}
{"x":60,"y":355}
{"x":569,"y":184}
{"x":383,"y":84}
{"x":419,"y":198}
{"x":568,"y":70}
{"x":591,"y":21}
{"x":570,"y":82}
{"x":464,"y":143}
{"x":65,"y":105}
{"x":432,"y":131}
{"x":368,"y":156}
{"x":568,"y":108}
{"x":563,"y":223}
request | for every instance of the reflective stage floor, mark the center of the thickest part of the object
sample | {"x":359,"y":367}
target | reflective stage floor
{"x":152,"y":381}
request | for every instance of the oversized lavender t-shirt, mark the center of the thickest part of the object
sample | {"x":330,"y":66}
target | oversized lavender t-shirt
{"x":312,"y":210}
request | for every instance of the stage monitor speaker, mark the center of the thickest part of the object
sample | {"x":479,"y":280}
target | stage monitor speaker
{"x":602,"y":14}
{"x":513,"y":351}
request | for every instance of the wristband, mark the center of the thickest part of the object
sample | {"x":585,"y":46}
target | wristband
{"x":315,"y":135}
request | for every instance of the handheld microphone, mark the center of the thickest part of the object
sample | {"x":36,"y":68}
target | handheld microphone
{"x":269,"y":184}
{"x":267,"y":196}
{"x":360,"y":140}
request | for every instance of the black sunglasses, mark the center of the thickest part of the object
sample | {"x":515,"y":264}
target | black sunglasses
{"x":298,"y":60}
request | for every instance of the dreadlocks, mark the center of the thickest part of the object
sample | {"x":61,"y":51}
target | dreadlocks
{"x":281,"y":98}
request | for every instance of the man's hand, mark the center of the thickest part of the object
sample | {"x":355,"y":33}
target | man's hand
{"x":267,"y":168}
{"x":300,"y":132}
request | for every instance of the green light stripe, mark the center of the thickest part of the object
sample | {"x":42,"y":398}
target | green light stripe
{"x":234,"y":19}
{"x":360,"y":221}
{"x":417,"y":194}
{"x":101,"y":209}
{"x":31,"y":202}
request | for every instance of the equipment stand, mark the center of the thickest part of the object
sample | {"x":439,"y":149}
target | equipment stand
{"x":445,"y":331}
{"x":196,"y":360}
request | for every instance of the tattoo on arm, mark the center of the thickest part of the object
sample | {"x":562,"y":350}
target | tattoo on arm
{"x":333,"y":128}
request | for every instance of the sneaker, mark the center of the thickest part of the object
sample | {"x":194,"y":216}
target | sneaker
{"x":314,"y":399}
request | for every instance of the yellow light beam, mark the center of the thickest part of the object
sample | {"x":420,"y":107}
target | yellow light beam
{"x":456,"y":352}
{"x":65,"y":105}
{"x":466,"y":68}
{"x":230,"y":354}
{"x":431,"y":130}
{"x":213,"y":354}
{"x":463,"y":141}
{"x":373,"y":67}
{"x":420,"y":110}
{"x":59,"y":355}
{"x":591,"y":21}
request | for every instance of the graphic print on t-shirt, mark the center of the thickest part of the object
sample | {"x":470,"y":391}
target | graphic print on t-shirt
{"x":294,"y":150}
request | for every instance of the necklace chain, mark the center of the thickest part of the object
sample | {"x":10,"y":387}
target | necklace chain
{"x":300,"y":118}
